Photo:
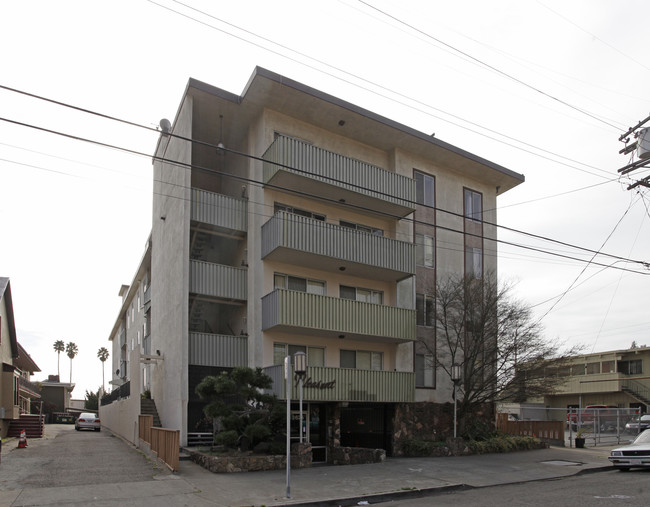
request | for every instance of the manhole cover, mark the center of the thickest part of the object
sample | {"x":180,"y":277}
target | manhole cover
{"x":562,"y":463}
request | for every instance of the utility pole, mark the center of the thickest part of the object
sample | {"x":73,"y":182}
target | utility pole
{"x":642,"y":146}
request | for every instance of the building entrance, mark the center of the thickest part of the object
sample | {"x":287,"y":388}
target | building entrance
{"x":314,"y":422}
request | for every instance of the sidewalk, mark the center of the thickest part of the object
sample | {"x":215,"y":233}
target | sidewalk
{"x":317,"y":486}
{"x":396,"y":478}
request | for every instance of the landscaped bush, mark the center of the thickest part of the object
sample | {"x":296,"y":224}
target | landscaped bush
{"x":503,"y":443}
{"x":414,"y":447}
{"x":226,"y":438}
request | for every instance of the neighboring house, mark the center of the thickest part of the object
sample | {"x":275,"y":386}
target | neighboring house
{"x":314,"y":230}
{"x":618,"y":378}
{"x":56,"y":395}
{"x":18,"y":395}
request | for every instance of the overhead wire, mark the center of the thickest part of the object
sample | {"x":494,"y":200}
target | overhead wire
{"x":194,"y":166}
{"x":487,"y":65}
{"x":212,"y":145}
{"x":383,"y":88}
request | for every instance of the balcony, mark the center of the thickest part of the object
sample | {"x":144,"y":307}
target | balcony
{"x":218,"y":350}
{"x":293,"y":311}
{"x":345,"y":384}
{"x":221,"y":211}
{"x":307,"y":242}
{"x":300,"y":166}
{"x":217,"y":280}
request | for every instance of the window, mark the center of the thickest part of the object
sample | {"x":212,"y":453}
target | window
{"x":474,"y":262}
{"x":362,"y":228}
{"x":361,"y":359}
{"x":424,"y":306}
{"x":608,"y":367}
{"x":578,"y":369}
{"x":358,"y":294}
{"x":424,"y":370}
{"x":315,"y":355}
{"x":593,"y":368}
{"x":473,"y":205}
{"x":297,"y":211}
{"x":424,"y":189}
{"x":424,"y":251}
{"x":281,"y":281}
{"x":634,"y":367}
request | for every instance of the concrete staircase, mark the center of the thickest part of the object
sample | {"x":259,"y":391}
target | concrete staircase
{"x":148,"y":407}
{"x":31,"y":423}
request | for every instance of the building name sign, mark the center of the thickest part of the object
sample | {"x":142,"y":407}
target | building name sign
{"x":317,"y":384}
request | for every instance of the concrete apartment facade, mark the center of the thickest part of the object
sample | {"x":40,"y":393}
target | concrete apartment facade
{"x":284,"y":220}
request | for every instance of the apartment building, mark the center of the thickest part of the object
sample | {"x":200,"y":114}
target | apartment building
{"x":617,"y":378}
{"x":286,"y":220}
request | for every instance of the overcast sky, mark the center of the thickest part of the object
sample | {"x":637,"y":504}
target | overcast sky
{"x":544,"y":88}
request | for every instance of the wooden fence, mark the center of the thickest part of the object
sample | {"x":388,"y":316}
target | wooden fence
{"x":166,"y":444}
{"x":145,"y":423}
{"x":544,"y":430}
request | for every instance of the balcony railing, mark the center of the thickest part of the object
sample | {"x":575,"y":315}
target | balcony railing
{"x":217,"y":280}
{"x":219,"y":210}
{"x":290,"y":162}
{"x":288,"y":310}
{"x":346,"y":384}
{"x":373,"y":256}
{"x":28,"y":386}
{"x":218,"y":350}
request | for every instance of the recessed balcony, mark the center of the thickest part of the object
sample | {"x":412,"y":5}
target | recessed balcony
{"x":347,"y":384}
{"x":220,"y":211}
{"x":307,"y":242}
{"x":324,"y":316}
{"x":296,"y":165}
{"x":208,"y":349}
{"x":218,"y":281}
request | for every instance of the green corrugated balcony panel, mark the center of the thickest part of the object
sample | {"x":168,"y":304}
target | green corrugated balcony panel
{"x":221,"y":211}
{"x":305,"y":241}
{"x":297,"y":165}
{"x":347,"y":384}
{"x":218,"y":280}
{"x":288,"y":310}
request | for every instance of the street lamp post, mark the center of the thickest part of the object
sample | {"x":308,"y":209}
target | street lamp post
{"x":300,"y":368}
{"x":287,"y":377}
{"x":456,"y":375}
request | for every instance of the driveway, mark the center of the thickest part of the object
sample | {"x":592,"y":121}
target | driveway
{"x":68,"y":465}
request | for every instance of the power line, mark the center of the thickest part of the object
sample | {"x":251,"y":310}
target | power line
{"x":249,"y":180}
{"x":211,"y":145}
{"x":380,"y":87}
{"x":491,"y":67}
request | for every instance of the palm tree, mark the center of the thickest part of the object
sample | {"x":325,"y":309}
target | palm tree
{"x":102,"y":354}
{"x":71,"y":350}
{"x":59,"y":347}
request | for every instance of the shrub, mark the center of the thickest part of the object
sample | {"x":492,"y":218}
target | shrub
{"x":226,"y":438}
{"x":414,"y":447}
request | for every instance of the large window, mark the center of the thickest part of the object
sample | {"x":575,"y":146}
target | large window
{"x":361,"y":359}
{"x":298,"y":211}
{"x":315,"y":355}
{"x":281,"y":281}
{"x":358,"y":294}
{"x":633,"y":367}
{"x":362,"y":228}
{"x":424,"y":370}
{"x":474,"y":262}
{"x":425,"y":251}
{"x":425,"y":189}
{"x":473,"y":205}
{"x":424,"y":306}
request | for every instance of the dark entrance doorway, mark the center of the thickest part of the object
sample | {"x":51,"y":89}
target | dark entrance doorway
{"x":367,"y":425}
